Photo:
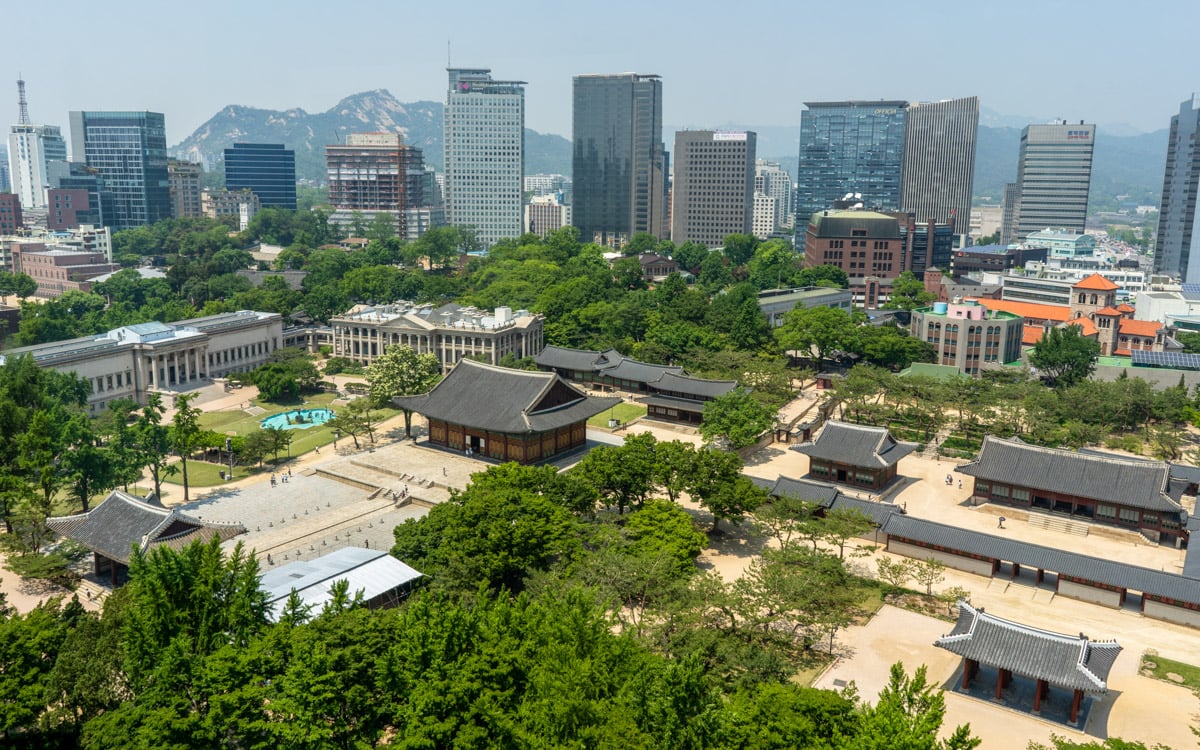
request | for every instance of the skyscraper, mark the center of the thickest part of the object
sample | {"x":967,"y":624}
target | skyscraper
{"x":1178,"y":239}
{"x":31,"y":148}
{"x":714,"y":186}
{"x":484,"y":153}
{"x":849,"y":147}
{"x":369,"y":175}
{"x":619,"y":165}
{"x":183,"y":178}
{"x":266,"y":169}
{"x":773,"y":181}
{"x":128,"y":150}
{"x":1054,"y":174}
{"x":939,"y":161}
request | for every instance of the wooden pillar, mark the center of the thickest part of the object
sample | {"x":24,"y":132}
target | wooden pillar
{"x":995,"y":567}
{"x":1075,"y":701}
{"x":1037,"y":695}
{"x":1041,"y":576}
{"x":1016,"y":571}
{"x":1000,"y":682}
{"x":967,"y":675}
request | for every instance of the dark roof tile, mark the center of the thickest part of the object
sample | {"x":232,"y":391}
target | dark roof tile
{"x":1069,"y":661}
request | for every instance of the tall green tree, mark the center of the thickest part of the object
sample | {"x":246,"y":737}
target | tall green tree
{"x":816,"y":331}
{"x":153,"y":441}
{"x":736,"y":417}
{"x":400,"y":371}
{"x":185,"y":433}
{"x":908,"y":714}
{"x":1064,"y":355}
{"x":908,"y":293}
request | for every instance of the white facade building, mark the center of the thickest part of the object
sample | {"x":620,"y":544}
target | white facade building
{"x":766,"y":215}
{"x":31,"y":148}
{"x":484,"y":154}
{"x":451,"y":332}
{"x":544,"y":214}
{"x":132,"y":361}
{"x":773,"y":180}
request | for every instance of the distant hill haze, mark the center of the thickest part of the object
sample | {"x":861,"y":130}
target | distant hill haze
{"x":371,"y":111}
{"x":1124,"y":165}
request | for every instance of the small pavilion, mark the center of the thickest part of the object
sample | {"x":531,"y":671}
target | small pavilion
{"x":506,"y":414}
{"x":1065,"y":662}
{"x":854,"y":454}
{"x":123,"y":522}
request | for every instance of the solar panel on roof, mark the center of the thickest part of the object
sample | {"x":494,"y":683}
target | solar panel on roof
{"x":1177,"y":360}
{"x":1190,"y":290}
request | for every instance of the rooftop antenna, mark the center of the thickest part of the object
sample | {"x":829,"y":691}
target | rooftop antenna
{"x":22,"y":105}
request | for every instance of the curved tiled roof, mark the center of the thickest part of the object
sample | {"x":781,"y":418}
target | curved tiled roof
{"x":121,"y":522}
{"x":1135,"y":483}
{"x":488,"y":397}
{"x":1096,"y":569}
{"x":1148,"y":328}
{"x":1029,"y":310}
{"x":674,"y":383}
{"x":1096,"y":282}
{"x":1069,"y":661}
{"x":856,"y":445}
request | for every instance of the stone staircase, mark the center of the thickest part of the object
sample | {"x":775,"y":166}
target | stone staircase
{"x":1057,"y":523}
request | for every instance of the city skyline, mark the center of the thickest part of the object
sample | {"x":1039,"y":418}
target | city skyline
{"x":1092,"y":57}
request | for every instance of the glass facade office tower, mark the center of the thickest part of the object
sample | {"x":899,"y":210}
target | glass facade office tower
{"x":714,"y":186}
{"x":266,"y":169}
{"x":31,"y":148}
{"x":1178,"y":241}
{"x":939,"y":161}
{"x":849,"y":147}
{"x":484,"y":154}
{"x":128,"y":150}
{"x":1054,"y":175}
{"x":619,"y":165}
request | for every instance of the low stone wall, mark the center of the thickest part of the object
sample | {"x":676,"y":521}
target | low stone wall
{"x":1091,"y":594}
{"x":951,"y":560}
{"x":1171,"y":613}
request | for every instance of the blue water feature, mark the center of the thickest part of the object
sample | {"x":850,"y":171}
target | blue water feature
{"x":298,"y":419}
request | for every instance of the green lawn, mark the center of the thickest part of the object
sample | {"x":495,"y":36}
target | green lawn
{"x":205,"y":474}
{"x":624,"y":412}
{"x":1158,"y":668}
{"x":238,"y":422}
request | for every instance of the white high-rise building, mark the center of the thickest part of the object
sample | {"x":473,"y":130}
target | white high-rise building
{"x":31,"y":148}
{"x":764,"y":222}
{"x":484,"y":154}
{"x":773,"y":180}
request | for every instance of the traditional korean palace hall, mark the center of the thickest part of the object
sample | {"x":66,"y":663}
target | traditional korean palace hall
{"x":506,"y":414}
{"x":826,"y":497}
{"x":112,"y":529}
{"x":1034,"y":669}
{"x":853,"y":454}
{"x":1107,"y":488}
{"x":671,"y":394}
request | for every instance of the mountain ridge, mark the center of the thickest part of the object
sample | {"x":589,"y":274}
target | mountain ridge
{"x":1124,"y":164}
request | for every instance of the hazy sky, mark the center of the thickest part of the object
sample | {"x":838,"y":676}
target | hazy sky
{"x":721,"y":62}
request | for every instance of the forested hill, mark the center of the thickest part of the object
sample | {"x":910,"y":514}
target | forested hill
{"x":370,"y":111}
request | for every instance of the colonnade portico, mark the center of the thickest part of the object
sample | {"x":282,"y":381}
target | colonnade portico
{"x":176,"y":367}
